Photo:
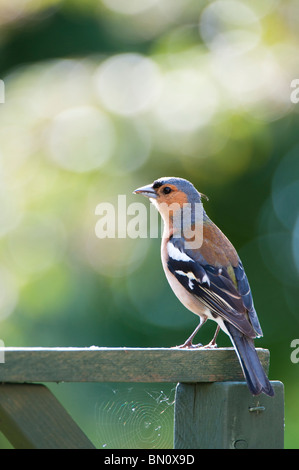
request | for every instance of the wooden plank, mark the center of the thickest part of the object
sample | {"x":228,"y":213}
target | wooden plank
{"x":122,"y":365}
{"x":226,"y":416}
{"x":32,"y":418}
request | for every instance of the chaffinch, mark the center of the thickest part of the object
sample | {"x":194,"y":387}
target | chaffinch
{"x":209,"y":279}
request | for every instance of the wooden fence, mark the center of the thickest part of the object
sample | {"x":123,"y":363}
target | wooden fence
{"x":213,"y":407}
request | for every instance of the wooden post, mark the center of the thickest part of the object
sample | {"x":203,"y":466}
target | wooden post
{"x":224,"y":415}
{"x":213,"y":407}
{"x":32,"y":418}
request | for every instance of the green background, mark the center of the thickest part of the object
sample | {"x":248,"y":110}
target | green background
{"x":102,"y":97}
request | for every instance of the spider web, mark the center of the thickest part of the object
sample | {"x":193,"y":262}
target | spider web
{"x":135,"y":418}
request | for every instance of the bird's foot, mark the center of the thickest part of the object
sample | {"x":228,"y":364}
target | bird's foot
{"x":210,"y":345}
{"x":189,"y":345}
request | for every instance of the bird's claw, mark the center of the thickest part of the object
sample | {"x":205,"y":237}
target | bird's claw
{"x":189,"y":345}
{"x":210,"y":345}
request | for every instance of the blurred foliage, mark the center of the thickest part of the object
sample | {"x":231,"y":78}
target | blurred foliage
{"x":104,"y":96}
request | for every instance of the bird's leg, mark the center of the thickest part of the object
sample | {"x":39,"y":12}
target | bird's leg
{"x":188,"y":343}
{"x":212,"y":343}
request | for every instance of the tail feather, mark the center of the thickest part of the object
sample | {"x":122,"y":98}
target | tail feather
{"x":254,"y":373}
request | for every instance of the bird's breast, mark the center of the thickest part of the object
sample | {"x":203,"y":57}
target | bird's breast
{"x":189,"y":301}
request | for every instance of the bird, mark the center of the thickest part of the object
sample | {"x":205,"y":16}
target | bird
{"x":208,"y":276}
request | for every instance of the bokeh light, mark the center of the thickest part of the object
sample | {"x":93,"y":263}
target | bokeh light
{"x":285,"y":188}
{"x":295,"y":243}
{"x":81,"y":139}
{"x":229,"y":27}
{"x":130,"y":7}
{"x":9,"y":293}
{"x":188,"y":100}
{"x":128,"y":84}
{"x":36,"y":244}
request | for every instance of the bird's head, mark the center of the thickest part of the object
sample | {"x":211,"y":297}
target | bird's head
{"x":169,"y":190}
{"x":170,"y":194}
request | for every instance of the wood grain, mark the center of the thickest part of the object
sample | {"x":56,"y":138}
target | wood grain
{"x":32,"y":418}
{"x":96,"y":364}
{"x":226,"y":416}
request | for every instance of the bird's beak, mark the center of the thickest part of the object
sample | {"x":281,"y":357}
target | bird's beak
{"x":147,"y":191}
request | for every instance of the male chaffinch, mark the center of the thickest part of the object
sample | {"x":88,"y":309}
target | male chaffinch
{"x":209,"y":279}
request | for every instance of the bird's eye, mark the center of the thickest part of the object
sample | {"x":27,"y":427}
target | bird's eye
{"x":167,"y":190}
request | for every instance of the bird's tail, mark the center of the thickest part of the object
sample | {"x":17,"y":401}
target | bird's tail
{"x":254,"y":373}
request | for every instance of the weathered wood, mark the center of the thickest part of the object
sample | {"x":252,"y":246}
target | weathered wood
{"x":226,"y":416}
{"x":32,"y":418}
{"x":122,"y":365}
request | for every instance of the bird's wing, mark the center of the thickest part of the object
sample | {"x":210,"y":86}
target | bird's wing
{"x":212,"y":285}
{"x":245,"y":292}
